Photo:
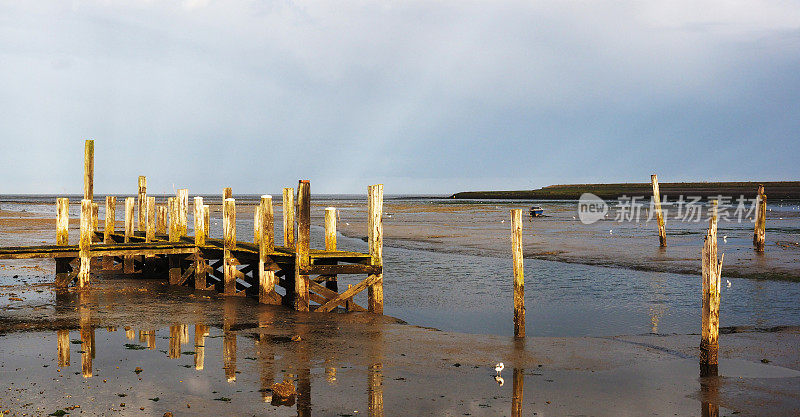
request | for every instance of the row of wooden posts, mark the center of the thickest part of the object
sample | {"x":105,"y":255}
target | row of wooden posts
{"x":711,"y":277}
{"x":760,"y":220}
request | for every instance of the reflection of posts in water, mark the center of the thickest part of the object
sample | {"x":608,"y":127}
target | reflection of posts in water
{"x":87,"y":335}
{"x":266,"y":355}
{"x":130,"y":333}
{"x":303,"y":373}
{"x":709,"y":397}
{"x":518,"y":388}
{"x":149,"y":337}
{"x":200,"y":333}
{"x":63,"y":348}
{"x":175,"y":341}
{"x":184,"y":334}
{"x":375,"y":374}
{"x":229,"y":339}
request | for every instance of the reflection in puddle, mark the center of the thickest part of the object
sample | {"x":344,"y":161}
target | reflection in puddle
{"x":516,"y":398}
{"x":709,"y":396}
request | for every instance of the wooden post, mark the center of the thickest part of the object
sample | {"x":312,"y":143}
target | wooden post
{"x":88,"y":170}
{"x":330,"y":244}
{"x":519,"y":277}
{"x":173,"y":219}
{"x":149,"y":219}
{"x":62,"y":221}
{"x":375,"y":237}
{"x":95,"y":217}
{"x":199,"y":240}
{"x":229,"y":244}
{"x":288,"y":218}
{"x":712,"y":273}
{"x":141,"y":203}
{"x":227,"y":193}
{"x":662,"y":232}
{"x":761,"y":220}
{"x":85,"y":243}
{"x":207,"y":217}
{"x":302,"y":246}
{"x":200,"y":332}
{"x":109,"y":228}
{"x":62,"y":239}
{"x":161,"y":220}
{"x":183,"y":212}
{"x":127,"y":260}
{"x":266,"y":245}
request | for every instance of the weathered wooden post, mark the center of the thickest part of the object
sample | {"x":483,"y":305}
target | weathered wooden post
{"x":127,"y":260}
{"x":519,"y":273}
{"x":149,"y":219}
{"x":257,"y":224}
{"x":761,"y":220}
{"x":302,"y":246}
{"x":161,"y":219}
{"x":183,"y":212}
{"x":173,"y":219}
{"x":95,"y":218}
{"x":199,"y":240}
{"x":88,"y":170}
{"x":375,"y":237}
{"x":662,"y":232}
{"x":266,"y":245}
{"x":109,"y":228}
{"x":227,"y":193}
{"x":207,"y":217}
{"x":288,"y":218}
{"x":62,"y":239}
{"x":330,"y":244}
{"x":712,"y":273}
{"x":229,"y":244}
{"x":141,"y":203}
{"x":85,"y":243}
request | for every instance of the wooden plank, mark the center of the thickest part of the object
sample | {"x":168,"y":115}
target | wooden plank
{"x":328,"y":295}
{"x":519,"y":277}
{"x":302,"y":259}
{"x":341,"y":298}
{"x":375,"y":224}
{"x":332,"y":270}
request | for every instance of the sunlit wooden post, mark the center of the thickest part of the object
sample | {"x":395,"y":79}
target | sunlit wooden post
{"x":662,"y":232}
{"x":330,"y":244}
{"x":302,"y":246}
{"x":761,"y":220}
{"x":149,"y":219}
{"x":199,"y":240}
{"x":266,"y":245}
{"x":207,"y":217}
{"x":712,"y":273}
{"x":229,"y":244}
{"x":288,"y":218}
{"x":88,"y":170}
{"x":173,"y":219}
{"x":161,"y":219}
{"x":62,"y":239}
{"x":375,"y":238}
{"x":127,"y":260}
{"x":109,"y":228}
{"x":519,"y":276}
{"x":183,"y":212}
{"x":141,"y":203}
{"x":85,"y":243}
{"x":95,"y":216}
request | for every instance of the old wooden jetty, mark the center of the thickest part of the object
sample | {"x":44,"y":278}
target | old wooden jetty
{"x":161,"y":246}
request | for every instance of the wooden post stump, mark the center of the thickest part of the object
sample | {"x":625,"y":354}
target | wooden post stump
{"x":161,"y":219}
{"x":761,"y":220}
{"x":519,"y":273}
{"x":229,"y":244}
{"x":712,"y":274}
{"x":266,"y":245}
{"x":207,"y":217}
{"x":88,"y":170}
{"x":288,"y":218}
{"x":183,"y":212}
{"x":302,"y":246}
{"x":85,"y":243}
{"x":662,"y":232}
{"x":63,"y":268}
{"x":375,"y":238}
{"x":201,"y":266}
{"x":149,"y":219}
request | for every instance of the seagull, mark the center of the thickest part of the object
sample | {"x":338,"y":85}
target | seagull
{"x":728,"y":282}
{"x":503,"y":221}
{"x":499,"y":380}
{"x":499,"y":368}
{"x":611,"y":231}
{"x":725,"y":238}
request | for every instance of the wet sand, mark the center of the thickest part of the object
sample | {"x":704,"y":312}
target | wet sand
{"x":219,"y":356}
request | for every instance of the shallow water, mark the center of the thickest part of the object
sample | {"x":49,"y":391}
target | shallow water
{"x":448,"y":286}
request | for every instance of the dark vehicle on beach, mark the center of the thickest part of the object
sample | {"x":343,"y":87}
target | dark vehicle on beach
{"x":536,"y":211}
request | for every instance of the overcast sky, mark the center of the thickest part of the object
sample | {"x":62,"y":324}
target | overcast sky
{"x":432,"y":96}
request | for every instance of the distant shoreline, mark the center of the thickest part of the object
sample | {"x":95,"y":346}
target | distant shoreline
{"x":775,"y":190}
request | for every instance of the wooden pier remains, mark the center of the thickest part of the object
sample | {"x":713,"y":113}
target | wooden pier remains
{"x":712,"y":274}
{"x":306,"y":277}
{"x":759,"y":233}
{"x":662,"y":232}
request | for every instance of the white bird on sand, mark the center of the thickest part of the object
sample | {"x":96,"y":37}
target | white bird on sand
{"x":499,"y":380}
{"x":499,"y":368}
{"x":725,"y":238}
{"x":503,"y":221}
{"x":611,"y":231}
{"x":728,"y":282}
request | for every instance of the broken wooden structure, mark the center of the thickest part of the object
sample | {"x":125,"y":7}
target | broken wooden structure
{"x":231,"y":266}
